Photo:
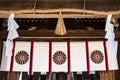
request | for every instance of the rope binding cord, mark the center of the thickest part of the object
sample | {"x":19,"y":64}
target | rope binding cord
{"x":40,"y":11}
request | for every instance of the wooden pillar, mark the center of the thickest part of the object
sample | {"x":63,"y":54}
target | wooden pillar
{"x":1,"y":45}
{"x":48,"y":77}
{"x":54,"y":76}
{"x":3,"y":75}
{"x":68,"y":77}
{"x":117,"y":73}
{"x":107,"y":76}
{"x":13,"y":76}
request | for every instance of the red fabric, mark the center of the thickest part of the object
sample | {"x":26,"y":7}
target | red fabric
{"x":69,"y":61}
{"x":31,"y":59}
{"x":88,"y":57}
{"x":12,"y":58}
{"x":50,"y":58}
{"x":106,"y":56}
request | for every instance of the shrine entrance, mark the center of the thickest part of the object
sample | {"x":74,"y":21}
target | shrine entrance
{"x":78,"y":30}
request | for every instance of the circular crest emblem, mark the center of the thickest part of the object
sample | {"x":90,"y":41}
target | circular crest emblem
{"x":59,"y":57}
{"x":97,"y":57}
{"x":21,"y":57}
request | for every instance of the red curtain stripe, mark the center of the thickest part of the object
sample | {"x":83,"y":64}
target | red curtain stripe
{"x":69,"y":59}
{"x":88,"y":57}
{"x":106,"y":56}
{"x":50,"y":58}
{"x":31,"y":59}
{"x":12,"y":57}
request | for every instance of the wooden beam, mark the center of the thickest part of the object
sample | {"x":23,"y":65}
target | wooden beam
{"x":55,"y":15}
{"x":46,"y":35}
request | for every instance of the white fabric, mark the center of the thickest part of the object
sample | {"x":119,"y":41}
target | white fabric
{"x":9,"y":47}
{"x":12,"y":34}
{"x":112,"y":61}
{"x":12,"y":23}
{"x":112,"y":48}
{"x":22,"y":46}
{"x":41,"y":57}
{"x":112,"y":58}
{"x":77,"y":56}
{"x":6,"y":60}
{"x":109,"y":26}
{"x":59,"y":46}
{"x":115,"y":48}
{"x":112,"y":55}
{"x":110,"y":36}
{"x":98,"y":45}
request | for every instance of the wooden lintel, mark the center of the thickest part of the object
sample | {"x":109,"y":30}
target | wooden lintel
{"x":53,"y":16}
{"x":56,"y":16}
{"x":47,"y":35}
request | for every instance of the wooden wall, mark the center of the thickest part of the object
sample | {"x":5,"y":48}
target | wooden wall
{"x":105,"y":5}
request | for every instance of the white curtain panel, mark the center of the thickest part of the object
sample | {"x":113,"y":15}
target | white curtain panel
{"x":78,"y":57}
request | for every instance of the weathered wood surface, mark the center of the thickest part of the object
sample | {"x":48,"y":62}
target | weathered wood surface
{"x":47,"y":35}
{"x":50,"y":4}
{"x":107,"y":76}
{"x":55,"y":15}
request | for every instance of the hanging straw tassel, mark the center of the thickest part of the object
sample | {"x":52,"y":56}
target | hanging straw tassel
{"x":60,"y":28}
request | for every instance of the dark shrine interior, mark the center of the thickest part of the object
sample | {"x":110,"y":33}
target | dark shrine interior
{"x":50,"y":23}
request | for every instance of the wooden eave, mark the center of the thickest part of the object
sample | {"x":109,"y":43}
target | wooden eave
{"x":48,"y":35}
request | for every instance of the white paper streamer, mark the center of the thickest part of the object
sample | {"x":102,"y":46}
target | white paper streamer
{"x":12,"y":34}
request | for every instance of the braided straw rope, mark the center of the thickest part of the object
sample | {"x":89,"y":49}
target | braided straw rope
{"x":59,"y":10}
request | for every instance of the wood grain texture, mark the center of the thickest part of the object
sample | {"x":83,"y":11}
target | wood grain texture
{"x":50,"y":4}
{"x":46,"y":35}
{"x":72,"y":15}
